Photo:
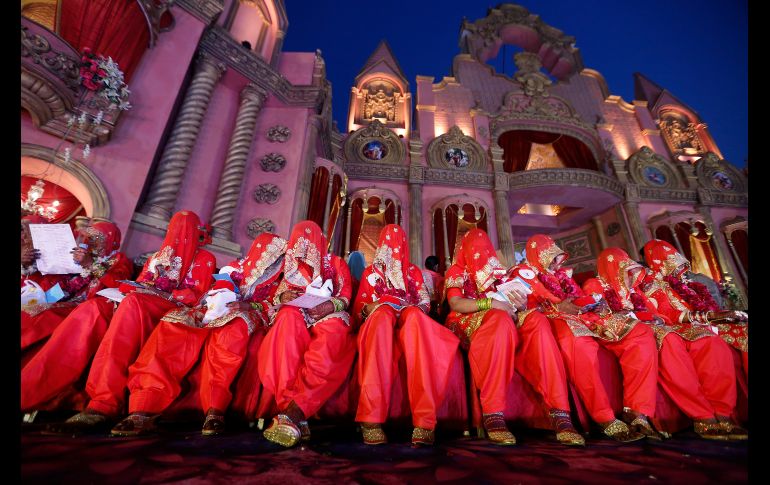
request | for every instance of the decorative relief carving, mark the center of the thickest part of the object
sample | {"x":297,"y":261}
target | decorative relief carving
{"x":272,"y":162}
{"x":267,"y":194}
{"x":374,"y":143}
{"x":680,"y":134}
{"x":646,"y":167}
{"x":258,"y":225}
{"x":416,"y":174}
{"x":453,"y":177}
{"x":533,"y":82}
{"x":518,"y":105}
{"x":455,"y":150}
{"x":380,"y":105}
{"x":486,"y":32}
{"x":365,"y":170}
{"x":206,"y":10}
{"x":719,"y":175}
{"x":63,"y":66}
{"x":673,"y":195}
{"x":278,"y":133}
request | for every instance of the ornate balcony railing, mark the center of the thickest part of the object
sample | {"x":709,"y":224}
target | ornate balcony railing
{"x":565,"y":176}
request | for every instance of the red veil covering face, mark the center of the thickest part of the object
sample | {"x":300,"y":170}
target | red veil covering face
{"x":103,"y":238}
{"x":541,"y":251}
{"x":168,"y":267}
{"x":257,"y":279}
{"x":663,"y":259}
{"x":479,"y":259}
{"x":306,"y":250}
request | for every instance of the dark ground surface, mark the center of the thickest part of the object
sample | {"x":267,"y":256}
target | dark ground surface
{"x":336,"y":455}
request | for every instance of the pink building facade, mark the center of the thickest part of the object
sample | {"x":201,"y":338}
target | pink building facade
{"x":242,"y":135}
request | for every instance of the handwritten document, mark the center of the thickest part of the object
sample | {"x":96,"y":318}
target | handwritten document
{"x":55,"y":242}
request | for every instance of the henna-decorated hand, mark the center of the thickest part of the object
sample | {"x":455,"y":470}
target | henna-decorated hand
{"x":82,"y":257}
{"x":568,"y":307}
{"x":28,"y":255}
{"x":321,"y":310}
{"x":289,"y":295}
{"x":239,"y":306}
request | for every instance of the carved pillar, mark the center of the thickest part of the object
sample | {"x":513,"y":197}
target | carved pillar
{"x":631,"y":209}
{"x":672,"y":228}
{"x":599,"y":226}
{"x":168,"y":177}
{"x":307,"y":165}
{"x":721,"y":248}
{"x":635,"y":222}
{"x":252,"y":99}
{"x":416,"y":178}
{"x":502,"y":215}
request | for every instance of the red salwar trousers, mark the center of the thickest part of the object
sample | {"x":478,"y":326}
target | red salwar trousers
{"x":305,"y":365}
{"x":64,"y":358}
{"x":637,"y":354}
{"x":154,"y":380}
{"x":497,"y":344}
{"x":428,"y":349}
{"x":41,"y":326}
{"x":130,"y":327}
{"x":699,"y":376}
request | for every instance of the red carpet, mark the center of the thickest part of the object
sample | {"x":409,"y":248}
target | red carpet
{"x":335,"y":455}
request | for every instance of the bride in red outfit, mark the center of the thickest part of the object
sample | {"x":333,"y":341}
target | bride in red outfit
{"x":387,"y":333}
{"x":176,"y":275}
{"x":307,"y":353}
{"x":486,"y":328}
{"x":697,"y":374}
{"x":154,"y":380}
{"x":103,"y":265}
{"x":580,"y":333}
{"x":694,"y":315}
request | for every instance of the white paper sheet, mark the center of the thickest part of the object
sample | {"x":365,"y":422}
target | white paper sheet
{"x":307,"y":301}
{"x":112,"y":294}
{"x":55,"y":241}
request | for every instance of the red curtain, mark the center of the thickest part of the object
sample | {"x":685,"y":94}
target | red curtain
{"x":438,"y":236}
{"x":517,"y":144}
{"x":318,"y":187}
{"x":664,"y":233}
{"x":740,"y":240}
{"x":334,"y":210}
{"x":451,"y":229}
{"x":683,"y":235}
{"x":482,"y":223}
{"x":115,"y":28}
{"x":574,"y":153}
{"x":390,"y":212}
{"x":69,"y":206}
{"x":356,"y":217}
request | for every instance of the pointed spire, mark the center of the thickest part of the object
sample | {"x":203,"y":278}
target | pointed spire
{"x":383,"y":60}
{"x":648,"y":90}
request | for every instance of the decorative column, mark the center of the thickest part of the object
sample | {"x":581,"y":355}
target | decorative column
{"x":672,"y":228}
{"x":502,"y":215}
{"x":631,"y":208}
{"x":229,"y":191}
{"x":600,"y":232}
{"x":721,"y":248}
{"x":416,"y":179}
{"x":168,"y":176}
{"x":447,"y":257}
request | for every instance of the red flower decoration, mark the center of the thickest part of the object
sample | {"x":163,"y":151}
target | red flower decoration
{"x":164,"y":283}
{"x":695,"y":294}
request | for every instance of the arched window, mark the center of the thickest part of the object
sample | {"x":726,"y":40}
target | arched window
{"x":452,"y":218}
{"x":370,"y":210}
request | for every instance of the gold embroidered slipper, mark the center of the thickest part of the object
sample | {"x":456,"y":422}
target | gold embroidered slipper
{"x":373,"y":434}
{"x":136,"y":424}
{"x":283,"y":431}
{"x":497,"y":431}
{"x":423,"y":437}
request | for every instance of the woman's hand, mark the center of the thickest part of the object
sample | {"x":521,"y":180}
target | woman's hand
{"x":239,"y":306}
{"x":29,"y":255}
{"x":289,"y":295}
{"x":506,"y":307}
{"x":568,"y":307}
{"x":321,"y":310}
{"x":82,"y":257}
{"x":518,"y":300}
{"x":368,"y":309}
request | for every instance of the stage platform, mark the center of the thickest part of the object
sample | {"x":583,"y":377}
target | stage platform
{"x":336,"y":455}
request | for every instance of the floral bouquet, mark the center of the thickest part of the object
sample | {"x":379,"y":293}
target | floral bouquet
{"x":104,"y":77}
{"x":729,"y":292}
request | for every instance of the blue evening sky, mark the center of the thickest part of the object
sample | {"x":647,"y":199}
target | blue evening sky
{"x":696,"y":50}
